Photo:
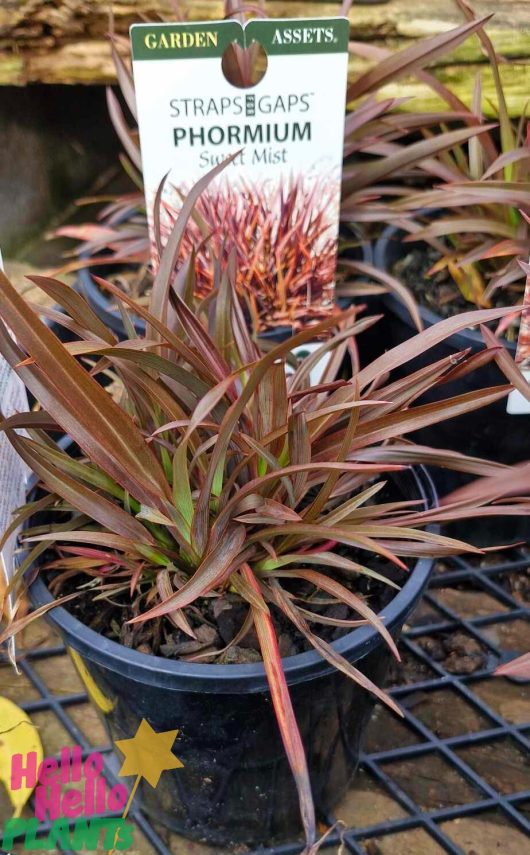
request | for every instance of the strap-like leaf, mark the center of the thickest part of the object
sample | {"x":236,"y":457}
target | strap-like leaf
{"x":327,"y":651}
{"x":227,"y":426}
{"x":405,"y":421}
{"x":320,"y":533}
{"x":79,"y":404}
{"x":412,"y":58}
{"x":505,"y":362}
{"x":283,"y":708}
{"x":518,"y":668}
{"x":232,"y":506}
{"x":104,"y":538}
{"x":78,"y":308}
{"x":393,"y":285}
{"x":428,"y":338}
{"x":166,"y":335}
{"x":17,"y":626}
{"x":124,"y":79}
{"x":87,"y":501}
{"x":122,"y":129}
{"x":328,"y":559}
{"x":454,"y":225}
{"x":162,"y":284}
{"x":344,"y":595}
{"x":408,"y":155}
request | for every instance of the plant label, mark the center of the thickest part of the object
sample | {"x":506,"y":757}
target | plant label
{"x":13,"y":474}
{"x":270,"y":94}
{"x":517,"y":403}
{"x":316,"y":374}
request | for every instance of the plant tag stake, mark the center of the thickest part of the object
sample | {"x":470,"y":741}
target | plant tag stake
{"x":277,"y":203}
{"x":13,"y":475}
{"x":517,"y":403}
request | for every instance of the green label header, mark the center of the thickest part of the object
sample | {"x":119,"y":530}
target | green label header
{"x":210,"y":39}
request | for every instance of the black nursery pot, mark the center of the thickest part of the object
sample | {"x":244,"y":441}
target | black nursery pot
{"x":103,"y":305}
{"x":236,"y":785}
{"x":489,"y":432}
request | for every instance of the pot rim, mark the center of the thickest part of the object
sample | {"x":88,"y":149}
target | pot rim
{"x":112,"y":319}
{"x":248,"y":677}
{"x":102,"y":303}
{"x":391,"y":235}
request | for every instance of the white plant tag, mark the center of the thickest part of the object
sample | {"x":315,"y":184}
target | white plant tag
{"x":13,"y":478}
{"x":317,"y":372}
{"x":278,"y":201}
{"x":517,"y":403}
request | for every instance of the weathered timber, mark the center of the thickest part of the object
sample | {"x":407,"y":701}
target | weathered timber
{"x":64,"y":41}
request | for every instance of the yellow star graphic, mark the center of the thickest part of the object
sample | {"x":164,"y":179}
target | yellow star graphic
{"x":148,"y":754}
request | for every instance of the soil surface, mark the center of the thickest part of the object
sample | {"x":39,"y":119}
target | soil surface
{"x":486,"y":834}
{"x":508,"y":699}
{"x":409,"y":670}
{"x":518,"y":584}
{"x":439,"y":292}
{"x":432,"y":709}
{"x":217,"y":620}
{"x":431,"y":782}
{"x":456,"y":652}
{"x":501,"y":763}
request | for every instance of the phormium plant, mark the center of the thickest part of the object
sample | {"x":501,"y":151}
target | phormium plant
{"x":210,"y":473}
{"x":476,"y":219}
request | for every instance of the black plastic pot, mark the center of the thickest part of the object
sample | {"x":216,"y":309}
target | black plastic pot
{"x":104,"y":305}
{"x":489,"y":432}
{"x":236,"y":785}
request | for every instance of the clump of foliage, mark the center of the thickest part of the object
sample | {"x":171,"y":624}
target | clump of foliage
{"x":477,"y":217}
{"x":212,"y":472}
{"x":384,"y":159}
{"x":481,"y":199}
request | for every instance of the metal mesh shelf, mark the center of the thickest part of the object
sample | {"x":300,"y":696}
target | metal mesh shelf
{"x":449,"y":777}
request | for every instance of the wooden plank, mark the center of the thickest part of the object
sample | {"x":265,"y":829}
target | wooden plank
{"x":66,"y":42}
{"x":460,"y":79}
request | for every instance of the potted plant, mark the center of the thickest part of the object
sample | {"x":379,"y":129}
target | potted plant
{"x":214,"y":530}
{"x":472,"y":221}
{"x":460,"y":244}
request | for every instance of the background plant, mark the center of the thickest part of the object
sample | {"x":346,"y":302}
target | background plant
{"x":477,"y":217}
